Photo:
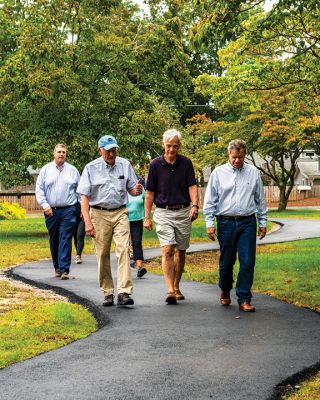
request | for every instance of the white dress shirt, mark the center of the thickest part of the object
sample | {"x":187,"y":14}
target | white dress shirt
{"x":235,"y":192}
{"x":56,"y":187}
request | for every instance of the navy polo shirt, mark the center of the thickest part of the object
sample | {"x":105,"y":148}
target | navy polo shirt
{"x":170,"y":182}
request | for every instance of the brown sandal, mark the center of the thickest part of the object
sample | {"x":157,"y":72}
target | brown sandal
{"x":179,"y":295}
{"x":171,"y":298}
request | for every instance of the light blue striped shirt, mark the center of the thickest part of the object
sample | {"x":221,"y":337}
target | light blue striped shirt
{"x":235,"y":192}
{"x":107,"y":185}
{"x":55,"y":188}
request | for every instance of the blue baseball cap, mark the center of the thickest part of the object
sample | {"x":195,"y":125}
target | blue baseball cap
{"x":107,"y":142}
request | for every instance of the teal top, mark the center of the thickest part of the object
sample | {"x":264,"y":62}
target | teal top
{"x":135,"y":206}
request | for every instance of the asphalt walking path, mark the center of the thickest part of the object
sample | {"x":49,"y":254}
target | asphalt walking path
{"x":194,"y":350}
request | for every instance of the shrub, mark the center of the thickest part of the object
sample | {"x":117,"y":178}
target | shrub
{"x":11,"y":211}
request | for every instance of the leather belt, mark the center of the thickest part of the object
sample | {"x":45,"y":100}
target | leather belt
{"x":233,"y":218}
{"x":174,"y":207}
{"x":108,"y":209}
{"x":61,"y":207}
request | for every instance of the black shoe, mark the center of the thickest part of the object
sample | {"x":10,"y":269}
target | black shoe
{"x":132,"y":264}
{"x":124,"y":299}
{"x":141,"y":271}
{"x":108,"y":301}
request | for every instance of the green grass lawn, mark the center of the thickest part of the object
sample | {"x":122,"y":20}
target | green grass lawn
{"x":297,"y":213}
{"x":32,"y":323}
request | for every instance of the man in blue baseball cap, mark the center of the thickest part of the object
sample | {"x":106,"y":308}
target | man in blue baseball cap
{"x":103,"y":188}
{"x":107,"y":142}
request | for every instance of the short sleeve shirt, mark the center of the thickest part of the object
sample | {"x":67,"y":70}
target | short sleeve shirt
{"x":107,"y":185}
{"x":170,"y":182}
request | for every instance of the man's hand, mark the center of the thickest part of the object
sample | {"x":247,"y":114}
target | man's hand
{"x":136,"y":190}
{"x":262,"y":232}
{"x":148,"y":223}
{"x":48,"y":211}
{"x":90,"y":231}
{"x":211,"y":233}
{"x":193,"y":215}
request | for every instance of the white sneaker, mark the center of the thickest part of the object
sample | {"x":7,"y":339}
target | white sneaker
{"x":78,"y":260}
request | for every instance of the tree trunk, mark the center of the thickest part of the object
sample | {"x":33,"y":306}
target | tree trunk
{"x":284,"y":196}
{"x":283,"y":199}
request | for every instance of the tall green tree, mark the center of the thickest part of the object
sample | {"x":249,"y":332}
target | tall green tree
{"x":276,"y":113}
{"x":71,"y":71}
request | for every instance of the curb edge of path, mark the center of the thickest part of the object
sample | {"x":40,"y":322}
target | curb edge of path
{"x":287,"y":386}
{"x":95,"y":310}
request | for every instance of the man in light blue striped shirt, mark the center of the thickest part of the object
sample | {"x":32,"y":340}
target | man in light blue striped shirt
{"x":56,"y":193}
{"x":234,"y":196}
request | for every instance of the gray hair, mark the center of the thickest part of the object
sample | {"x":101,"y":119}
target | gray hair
{"x":170,"y":133}
{"x":237,"y":144}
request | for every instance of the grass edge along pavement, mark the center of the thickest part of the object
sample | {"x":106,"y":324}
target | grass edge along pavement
{"x":38,"y":240}
{"x":36,"y":319}
{"x":37,"y":324}
{"x":306,"y":384}
{"x":209,"y":273}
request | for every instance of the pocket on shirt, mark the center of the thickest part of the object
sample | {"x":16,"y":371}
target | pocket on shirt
{"x":121,"y":185}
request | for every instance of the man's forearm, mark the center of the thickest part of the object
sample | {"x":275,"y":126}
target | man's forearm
{"x":85,"y":208}
{"x":148,"y":203}
{"x":193,"y":192}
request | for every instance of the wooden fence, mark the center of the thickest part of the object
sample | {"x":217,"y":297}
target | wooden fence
{"x":29,"y":202}
{"x":26,"y":200}
{"x":272,"y":193}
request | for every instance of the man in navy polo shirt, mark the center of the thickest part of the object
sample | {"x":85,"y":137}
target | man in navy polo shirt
{"x":172,"y":185}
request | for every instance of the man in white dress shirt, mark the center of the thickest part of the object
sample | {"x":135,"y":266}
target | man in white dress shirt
{"x":56,"y":193}
{"x":233,"y":197}
{"x":103,"y":188}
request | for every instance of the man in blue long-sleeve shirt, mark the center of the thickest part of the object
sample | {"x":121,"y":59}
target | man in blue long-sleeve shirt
{"x":56,"y":193}
{"x":234,"y":196}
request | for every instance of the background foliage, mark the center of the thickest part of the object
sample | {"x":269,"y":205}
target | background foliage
{"x":11,"y":211}
{"x":71,"y":71}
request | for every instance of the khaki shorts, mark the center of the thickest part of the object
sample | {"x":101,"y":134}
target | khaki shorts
{"x":173,"y":227}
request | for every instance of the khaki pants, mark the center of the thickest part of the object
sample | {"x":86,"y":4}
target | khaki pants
{"x":112,"y":225}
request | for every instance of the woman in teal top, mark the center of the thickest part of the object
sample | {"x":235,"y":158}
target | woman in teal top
{"x":135,"y":207}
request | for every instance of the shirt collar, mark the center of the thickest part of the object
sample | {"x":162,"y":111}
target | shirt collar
{"x":108,"y":165}
{"x":236,"y":169}
{"x":166,"y":164}
{"x":59,"y":167}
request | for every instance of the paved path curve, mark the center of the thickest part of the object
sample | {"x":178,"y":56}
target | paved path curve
{"x":195,"y":350}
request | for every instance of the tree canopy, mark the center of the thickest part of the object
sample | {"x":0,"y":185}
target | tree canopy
{"x":268,"y":93}
{"x":71,"y":71}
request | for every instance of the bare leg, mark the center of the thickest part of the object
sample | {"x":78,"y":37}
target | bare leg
{"x":168,"y":266}
{"x":179,"y":261}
